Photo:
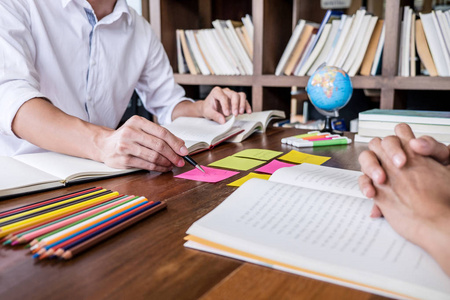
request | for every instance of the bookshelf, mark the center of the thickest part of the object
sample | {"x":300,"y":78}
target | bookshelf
{"x":273,"y":23}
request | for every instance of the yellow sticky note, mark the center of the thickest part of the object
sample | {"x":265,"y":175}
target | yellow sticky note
{"x":261,"y":154}
{"x":300,"y":157}
{"x":241,"y":181}
{"x":237,"y":163}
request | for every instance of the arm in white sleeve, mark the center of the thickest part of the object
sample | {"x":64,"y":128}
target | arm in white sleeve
{"x":19,"y":81}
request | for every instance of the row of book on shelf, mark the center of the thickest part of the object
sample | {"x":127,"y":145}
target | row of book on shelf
{"x":429,"y":36}
{"x":381,"y":123}
{"x":226,"y":49}
{"x":353,"y":43}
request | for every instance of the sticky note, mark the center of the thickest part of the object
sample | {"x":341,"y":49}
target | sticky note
{"x":261,"y":154}
{"x":273,"y":166}
{"x":237,"y":163}
{"x":300,"y":157}
{"x":210,"y":175}
{"x":249,"y":176}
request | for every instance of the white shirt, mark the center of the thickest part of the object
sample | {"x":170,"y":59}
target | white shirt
{"x":46,"y":51}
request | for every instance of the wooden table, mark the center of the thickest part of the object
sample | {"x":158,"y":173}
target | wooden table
{"x":148,"y":260}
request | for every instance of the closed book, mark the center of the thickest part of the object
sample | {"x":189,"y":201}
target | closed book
{"x":346,"y":23}
{"x":434,"y":38}
{"x":381,"y":133}
{"x":351,"y":38}
{"x":371,"y":49}
{"x":193,"y":69}
{"x":423,"y":50}
{"x":354,"y":60}
{"x":196,"y":52}
{"x":287,"y":53}
{"x":407,"y":116}
{"x":335,"y":24}
{"x":376,"y":66}
{"x":300,"y":47}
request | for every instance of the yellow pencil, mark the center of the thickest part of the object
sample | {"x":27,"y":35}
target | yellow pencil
{"x":49,"y":206}
{"x":4,"y":231}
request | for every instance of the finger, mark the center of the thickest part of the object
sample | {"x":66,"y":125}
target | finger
{"x":376,"y":212}
{"x":219,"y":95}
{"x":371,"y":167}
{"x":393,"y":148}
{"x":156,"y":138}
{"x":428,"y":146}
{"x":216,"y":116}
{"x":137,"y":162}
{"x":242,"y":102}
{"x":405,"y":134}
{"x":235,"y":99}
{"x":248,"y":108}
{"x":366,"y":186}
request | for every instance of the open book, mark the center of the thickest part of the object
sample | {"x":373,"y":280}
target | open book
{"x":201,"y":134}
{"x":313,"y":221}
{"x":39,"y":171}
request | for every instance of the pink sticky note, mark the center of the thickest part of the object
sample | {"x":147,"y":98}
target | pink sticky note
{"x":273,"y":166}
{"x":210,"y":175}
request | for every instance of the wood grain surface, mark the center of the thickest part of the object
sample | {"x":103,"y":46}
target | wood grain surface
{"x":148,"y":260}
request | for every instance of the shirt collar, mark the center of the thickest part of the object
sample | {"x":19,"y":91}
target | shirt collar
{"x":120,"y":8}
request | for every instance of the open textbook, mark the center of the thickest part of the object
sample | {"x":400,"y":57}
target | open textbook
{"x":201,"y":134}
{"x":39,"y":171}
{"x":313,"y":221}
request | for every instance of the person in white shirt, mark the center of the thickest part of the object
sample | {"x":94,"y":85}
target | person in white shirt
{"x":408,"y":179}
{"x":68,"y":69}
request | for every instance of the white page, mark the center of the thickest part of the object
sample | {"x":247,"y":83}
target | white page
{"x":67,"y":167}
{"x":320,"y":177}
{"x":327,"y":233}
{"x":15,"y":174}
{"x":198,"y":129}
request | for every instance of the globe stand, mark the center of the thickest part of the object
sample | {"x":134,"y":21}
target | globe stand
{"x":329,"y":128}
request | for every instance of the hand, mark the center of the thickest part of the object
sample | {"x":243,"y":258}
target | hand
{"x":415,"y":199}
{"x":142,"y":144}
{"x":426,"y":146}
{"x":221,"y":103}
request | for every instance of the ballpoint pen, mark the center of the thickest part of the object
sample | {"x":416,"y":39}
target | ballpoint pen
{"x":193,"y":162}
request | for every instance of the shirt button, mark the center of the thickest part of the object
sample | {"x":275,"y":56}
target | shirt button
{"x":93,"y":63}
{"x":89,"y":98}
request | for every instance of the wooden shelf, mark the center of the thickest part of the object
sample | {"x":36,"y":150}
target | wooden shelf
{"x":273,"y":23}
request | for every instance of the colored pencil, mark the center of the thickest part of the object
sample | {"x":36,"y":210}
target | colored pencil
{"x":47,"y":201}
{"x":52,"y":205}
{"x":56,"y":220}
{"x":4,"y":231}
{"x":74,"y":225}
{"x":69,"y":221}
{"x":60,"y":235}
{"x":86,"y":233}
{"x":106,"y":234}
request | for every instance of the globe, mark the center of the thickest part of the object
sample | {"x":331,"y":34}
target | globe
{"x":329,"y":88}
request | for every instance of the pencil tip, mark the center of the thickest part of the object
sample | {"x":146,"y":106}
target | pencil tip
{"x":200,"y":168}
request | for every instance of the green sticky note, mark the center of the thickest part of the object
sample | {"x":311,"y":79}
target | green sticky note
{"x":300,"y":157}
{"x":237,"y":163}
{"x":261,"y":154}
{"x":249,"y":176}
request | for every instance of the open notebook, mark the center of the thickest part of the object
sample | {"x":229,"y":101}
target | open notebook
{"x":38,"y":171}
{"x":313,"y":221}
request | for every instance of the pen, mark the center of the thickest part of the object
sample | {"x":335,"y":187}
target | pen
{"x":193,"y":162}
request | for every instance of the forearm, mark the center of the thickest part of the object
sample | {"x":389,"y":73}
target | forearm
{"x":436,"y":241}
{"x":188,"y":109}
{"x":46,"y":126}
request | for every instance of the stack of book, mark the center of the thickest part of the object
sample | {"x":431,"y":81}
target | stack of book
{"x":430,"y":36}
{"x":381,"y":123}
{"x":353,"y":43}
{"x":226,"y":49}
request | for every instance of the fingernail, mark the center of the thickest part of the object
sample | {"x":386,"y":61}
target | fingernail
{"x":376,"y":176}
{"x":180,"y":163}
{"x":241,"y":111}
{"x":235,"y":112}
{"x":184,"y":150}
{"x":398,"y":160}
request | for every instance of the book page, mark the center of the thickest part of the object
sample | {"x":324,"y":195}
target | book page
{"x":261,"y":116}
{"x":322,"y":178}
{"x":15,"y":175}
{"x":328,"y":234}
{"x":199,"y":129}
{"x":67,"y":167}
